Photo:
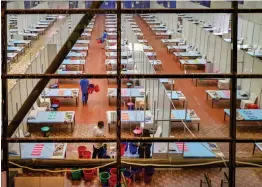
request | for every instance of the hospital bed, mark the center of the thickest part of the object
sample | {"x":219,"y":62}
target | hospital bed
{"x":111,"y":64}
{"x":41,"y":151}
{"x":186,"y":150}
{"x":196,"y":62}
{"x":176,"y":96}
{"x":75,"y":63}
{"x":126,"y":93}
{"x":129,"y":117}
{"x":39,"y":31}
{"x":71,"y":93}
{"x":12,"y":57}
{"x":85,"y":35}
{"x":156,"y":63}
{"x":218,"y":95}
{"x":124,"y":55}
{"x":180,"y":48}
{"x":79,"y":48}
{"x":16,"y":49}
{"x":188,"y":116}
{"x":80,"y":55}
{"x":51,"y":118}
{"x":83,"y":42}
{"x":26,"y":43}
{"x":245,"y":115}
{"x":172,"y":41}
{"x":187,"y":55}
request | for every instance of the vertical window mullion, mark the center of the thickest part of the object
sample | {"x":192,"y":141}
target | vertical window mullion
{"x":118,"y":124}
{"x":4,"y":92}
{"x":233,"y":92}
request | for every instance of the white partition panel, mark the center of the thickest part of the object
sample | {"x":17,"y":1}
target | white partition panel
{"x":244,"y":31}
{"x":202,"y":43}
{"x":228,"y":61}
{"x":247,"y":69}
{"x":239,"y":28}
{"x":256,"y":86}
{"x":240,"y":55}
{"x":194,"y":29}
{"x":211,"y":48}
{"x":10,"y":107}
{"x":16,"y":98}
{"x":23,"y":89}
{"x":34,"y":65}
{"x":250,"y":29}
{"x":206,"y":47}
{"x":184,"y":29}
{"x":257,"y":67}
{"x":256,"y":36}
{"x":248,"y":64}
{"x":217,"y":52}
{"x":198,"y":37}
{"x":239,"y":70}
{"x":223,"y":57}
{"x":260,"y":36}
{"x":163,"y":110}
{"x":39,"y":64}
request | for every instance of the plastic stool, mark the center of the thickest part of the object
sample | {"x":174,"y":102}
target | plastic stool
{"x":131,"y":106}
{"x":129,"y":84}
{"x":46,"y":131}
{"x":55,"y":106}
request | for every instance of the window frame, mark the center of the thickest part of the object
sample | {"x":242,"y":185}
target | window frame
{"x":232,"y":140}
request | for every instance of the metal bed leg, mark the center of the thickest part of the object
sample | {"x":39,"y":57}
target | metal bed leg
{"x":254,"y":149}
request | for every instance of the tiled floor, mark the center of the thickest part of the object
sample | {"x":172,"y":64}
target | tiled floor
{"x":212,"y":124}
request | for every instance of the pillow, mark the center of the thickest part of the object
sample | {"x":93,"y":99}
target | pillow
{"x":13,"y":148}
{"x":32,"y":114}
{"x":242,"y":93}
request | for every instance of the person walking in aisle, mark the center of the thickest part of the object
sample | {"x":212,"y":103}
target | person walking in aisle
{"x":84,"y":83}
{"x":98,"y":148}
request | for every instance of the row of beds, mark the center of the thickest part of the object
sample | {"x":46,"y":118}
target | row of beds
{"x":42,"y":116}
{"x":188,"y":150}
{"x":128,"y":117}
{"x":16,"y":48}
{"x":127,"y":62}
{"x":179,"y":46}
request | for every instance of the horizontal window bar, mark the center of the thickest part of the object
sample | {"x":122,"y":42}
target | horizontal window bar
{"x":114,"y":11}
{"x":110,"y":76}
{"x":133,"y":139}
{"x":138,"y":76}
{"x":74,"y":140}
{"x":61,"y":11}
{"x":126,"y":11}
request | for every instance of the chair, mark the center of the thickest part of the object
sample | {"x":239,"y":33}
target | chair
{"x":39,"y":109}
{"x":252,"y":99}
{"x":223,"y":84}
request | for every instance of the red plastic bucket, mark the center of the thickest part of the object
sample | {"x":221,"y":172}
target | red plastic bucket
{"x":86,"y":154}
{"x":128,"y":182}
{"x":113,"y":172}
{"x":68,"y":173}
{"x":88,"y":174}
{"x":81,"y":149}
{"x":123,"y":148}
{"x":112,"y":181}
{"x":95,"y":171}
